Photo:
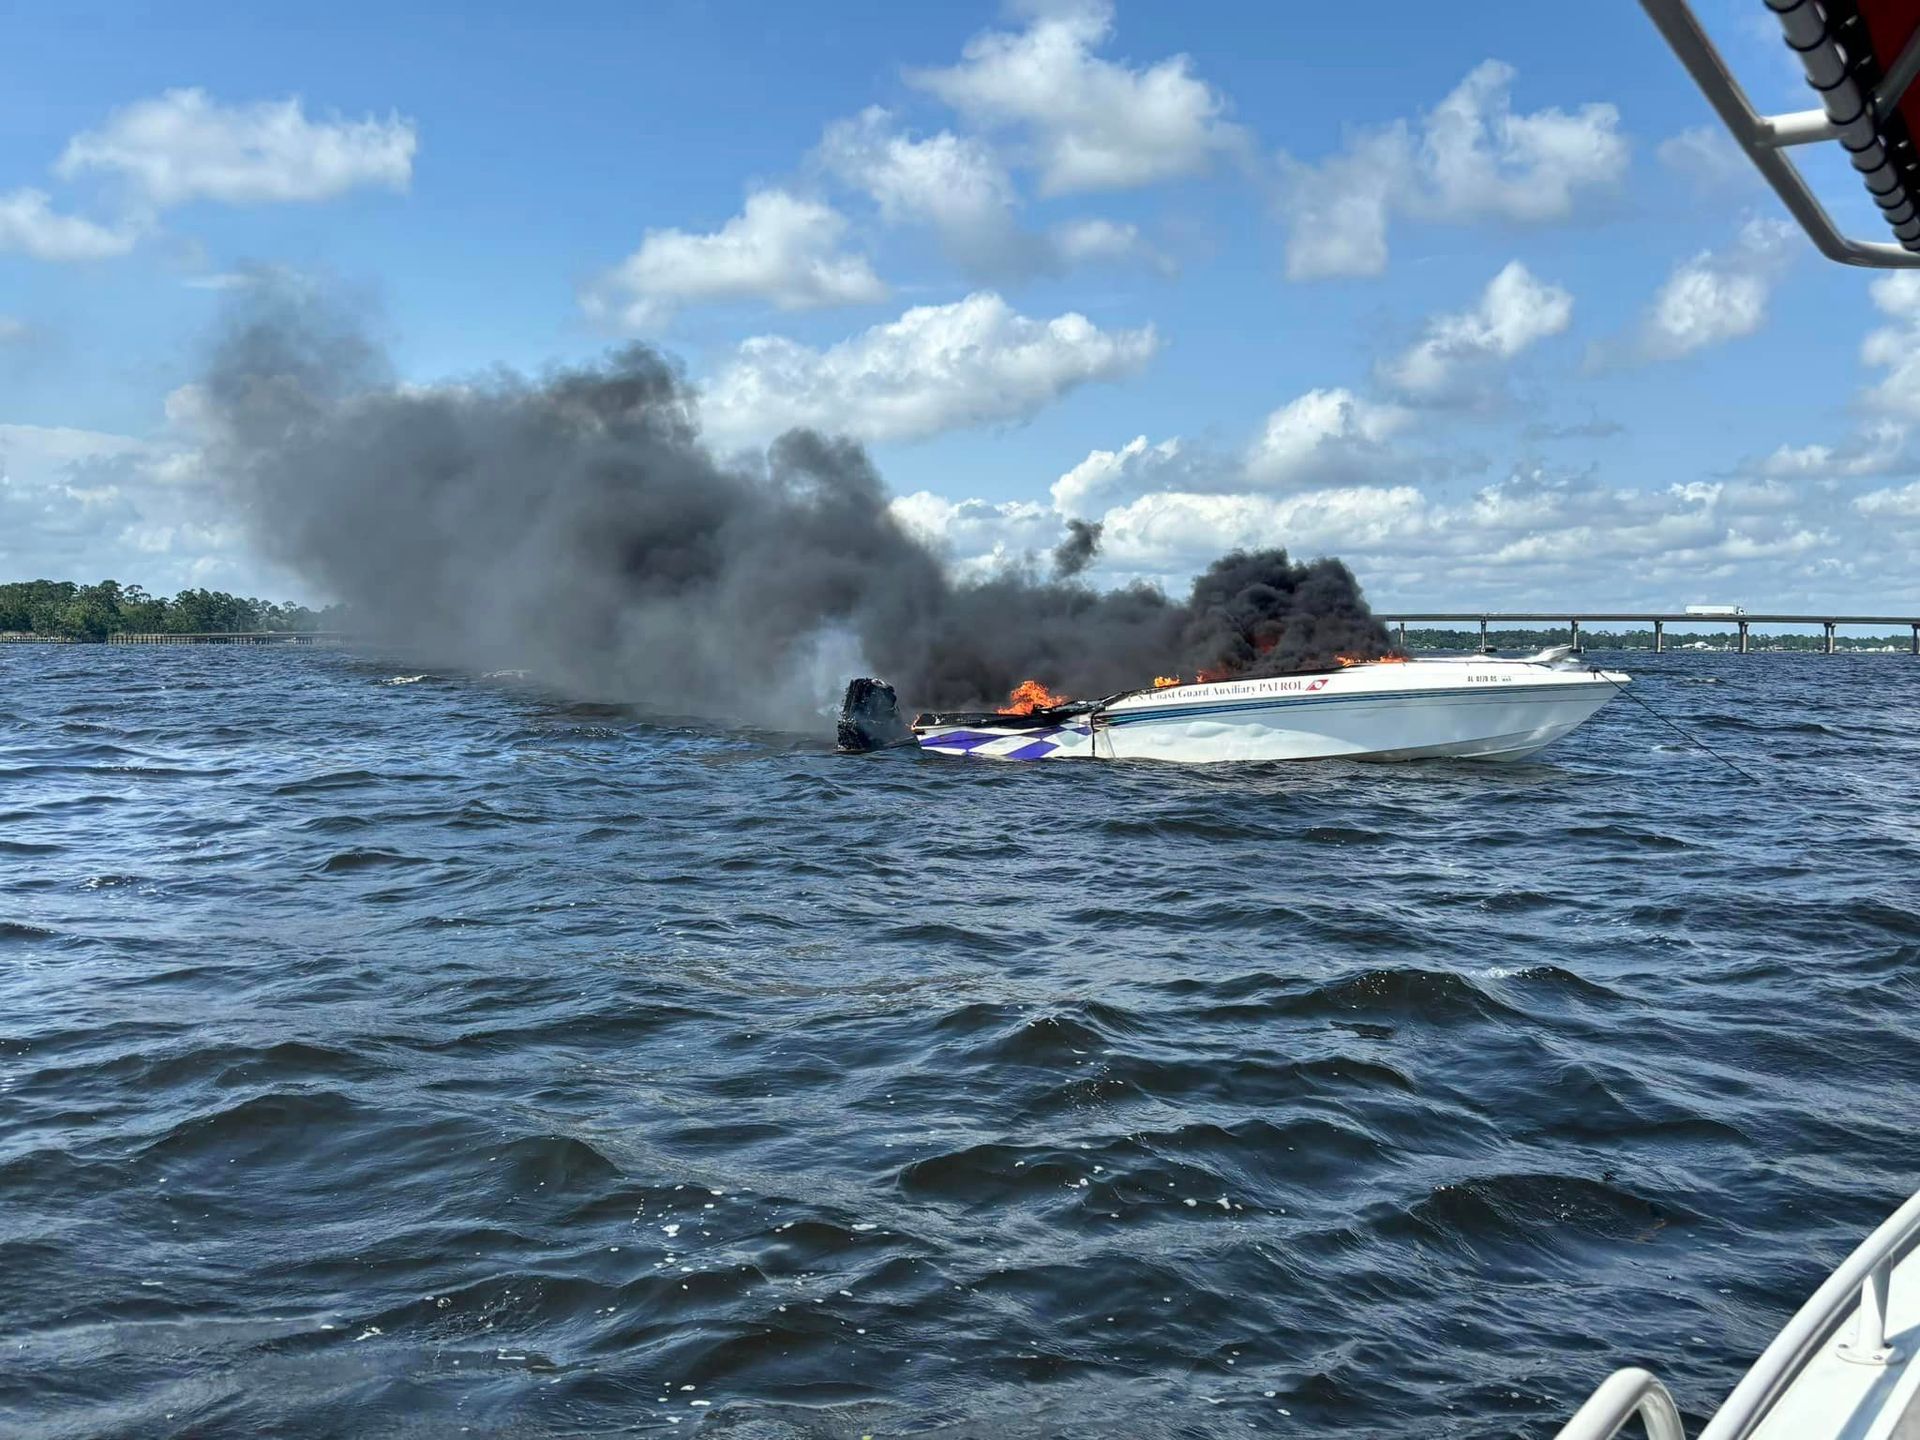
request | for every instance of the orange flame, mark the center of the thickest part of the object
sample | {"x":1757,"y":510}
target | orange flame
{"x":1029,"y":696}
{"x":1375,"y":660}
{"x":1212,"y":677}
{"x":1161,"y":682}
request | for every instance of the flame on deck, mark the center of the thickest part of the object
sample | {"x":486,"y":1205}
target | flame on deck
{"x":1161,"y":682}
{"x":1029,"y":696}
{"x":1346,"y":660}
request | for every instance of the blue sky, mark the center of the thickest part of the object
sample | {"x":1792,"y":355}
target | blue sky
{"x":1484,"y":306}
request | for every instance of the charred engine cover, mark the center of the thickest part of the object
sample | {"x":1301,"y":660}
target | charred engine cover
{"x":870,"y":718}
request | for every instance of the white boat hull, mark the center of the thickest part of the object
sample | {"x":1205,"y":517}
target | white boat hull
{"x":1482,"y":709}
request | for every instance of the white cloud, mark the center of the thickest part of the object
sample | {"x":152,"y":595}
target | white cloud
{"x":83,"y":504}
{"x":186,"y":146}
{"x":1879,"y":448}
{"x":938,"y":367}
{"x":1896,"y":347}
{"x":1324,"y":437}
{"x":1094,"y":124}
{"x":1535,"y":536}
{"x":1902,"y":503}
{"x":1107,"y":477}
{"x":227,"y":280}
{"x":1458,"y":359}
{"x":1707,"y":159}
{"x":1470,"y":158}
{"x":1173,"y":532}
{"x":958,"y":187}
{"x":1321,"y":435}
{"x":11,"y":329}
{"x":29,"y":226}
{"x":977,"y":536}
{"x":1079,"y":241}
{"x":955,"y":185}
{"x":1483,"y":161}
{"x":1337,"y":211}
{"x":1718,"y":296}
{"x":781,"y":248}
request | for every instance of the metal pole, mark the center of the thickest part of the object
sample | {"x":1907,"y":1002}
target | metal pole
{"x":1660,"y":636}
{"x":1483,"y":634}
{"x":1756,"y":134}
{"x":1829,"y":625}
{"x":1576,"y":636}
{"x":1403,"y":634}
{"x":1744,"y":646}
{"x":1869,"y":1344}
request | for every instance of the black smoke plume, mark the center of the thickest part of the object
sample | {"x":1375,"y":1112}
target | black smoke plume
{"x":1073,"y":554}
{"x":577,"y":525}
{"x":1256,"y":613}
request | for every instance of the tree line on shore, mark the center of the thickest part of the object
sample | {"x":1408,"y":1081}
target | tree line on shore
{"x":68,"y":611}
{"x":93,"y":612}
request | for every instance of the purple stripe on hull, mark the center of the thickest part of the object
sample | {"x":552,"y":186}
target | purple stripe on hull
{"x":1039,"y":750}
{"x":962,"y":739}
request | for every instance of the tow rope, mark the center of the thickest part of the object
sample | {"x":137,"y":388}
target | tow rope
{"x":1674,"y":726}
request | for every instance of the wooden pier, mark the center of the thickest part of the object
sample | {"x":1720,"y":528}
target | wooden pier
{"x":226,"y":637}
{"x":1657,"y":620}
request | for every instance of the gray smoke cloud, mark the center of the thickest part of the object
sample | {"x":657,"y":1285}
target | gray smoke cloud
{"x":1075,"y":553}
{"x":576,"y":525}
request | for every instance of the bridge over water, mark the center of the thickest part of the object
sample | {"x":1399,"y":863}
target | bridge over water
{"x":1657,"y":620}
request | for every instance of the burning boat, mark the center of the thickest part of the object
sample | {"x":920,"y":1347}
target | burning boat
{"x":1471,"y":707}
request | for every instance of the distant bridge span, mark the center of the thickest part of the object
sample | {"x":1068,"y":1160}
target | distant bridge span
{"x":1657,"y":619}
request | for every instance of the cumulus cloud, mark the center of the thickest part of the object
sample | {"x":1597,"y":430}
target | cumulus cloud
{"x":1471,"y":158}
{"x":1882,"y":443}
{"x":223,"y":280}
{"x":1078,"y":241}
{"x":1091,"y":123}
{"x":1108,"y":477}
{"x":937,"y":367}
{"x":1900,"y":504}
{"x":1173,"y":532}
{"x":1536,"y":533}
{"x":1877,"y":449}
{"x":1717,"y":296}
{"x":978,"y":536}
{"x":958,"y":187}
{"x":1460,"y":358}
{"x":1896,"y":347}
{"x":1707,"y":159}
{"x":186,"y":146}
{"x":1594,"y":428}
{"x":1321,"y":438}
{"x":782,"y":248}
{"x":30,"y":226}
{"x":1322,"y":435}
{"x":82,"y":504}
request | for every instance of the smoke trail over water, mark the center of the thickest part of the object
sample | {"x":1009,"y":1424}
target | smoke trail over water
{"x":577,"y":525}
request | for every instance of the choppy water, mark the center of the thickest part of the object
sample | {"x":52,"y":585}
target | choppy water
{"x":434,"y":1059}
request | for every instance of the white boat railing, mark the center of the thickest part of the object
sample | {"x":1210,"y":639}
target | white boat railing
{"x":1860,"y":1286}
{"x":1621,"y":1396}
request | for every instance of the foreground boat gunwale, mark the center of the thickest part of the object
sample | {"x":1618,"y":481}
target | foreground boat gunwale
{"x":1805,"y":1362}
